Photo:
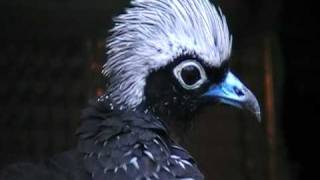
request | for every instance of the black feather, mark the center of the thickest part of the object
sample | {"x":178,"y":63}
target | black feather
{"x":114,"y":145}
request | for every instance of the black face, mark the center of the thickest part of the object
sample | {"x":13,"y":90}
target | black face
{"x":174,"y":91}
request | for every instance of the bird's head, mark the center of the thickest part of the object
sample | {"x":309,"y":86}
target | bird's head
{"x":172,"y":57}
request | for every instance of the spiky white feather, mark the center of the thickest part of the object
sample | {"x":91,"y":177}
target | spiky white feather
{"x":152,"y":33}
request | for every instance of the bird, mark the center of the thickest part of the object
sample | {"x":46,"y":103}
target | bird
{"x":166,"y":60}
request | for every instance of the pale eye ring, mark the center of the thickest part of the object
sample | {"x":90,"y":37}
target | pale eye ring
{"x":197,"y":73}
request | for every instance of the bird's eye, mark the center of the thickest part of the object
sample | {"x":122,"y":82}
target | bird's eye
{"x":190,"y":74}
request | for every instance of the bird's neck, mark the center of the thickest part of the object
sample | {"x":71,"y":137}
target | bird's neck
{"x":104,"y":110}
{"x":107,"y":118}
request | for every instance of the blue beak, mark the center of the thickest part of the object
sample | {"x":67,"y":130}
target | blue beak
{"x":232,"y":92}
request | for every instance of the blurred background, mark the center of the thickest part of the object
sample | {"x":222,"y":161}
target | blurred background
{"x":51,"y":52}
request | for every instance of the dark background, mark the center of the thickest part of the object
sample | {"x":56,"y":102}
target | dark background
{"x":51,"y":52}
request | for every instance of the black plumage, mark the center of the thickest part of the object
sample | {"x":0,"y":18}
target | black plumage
{"x":115,"y":145}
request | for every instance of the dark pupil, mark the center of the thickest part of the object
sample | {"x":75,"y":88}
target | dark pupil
{"x":190,"y":75}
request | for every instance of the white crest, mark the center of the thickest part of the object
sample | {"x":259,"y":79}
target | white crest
{"x":152,"y":33}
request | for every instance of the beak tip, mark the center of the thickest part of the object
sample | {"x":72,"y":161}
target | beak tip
{"x":258,"y":116}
